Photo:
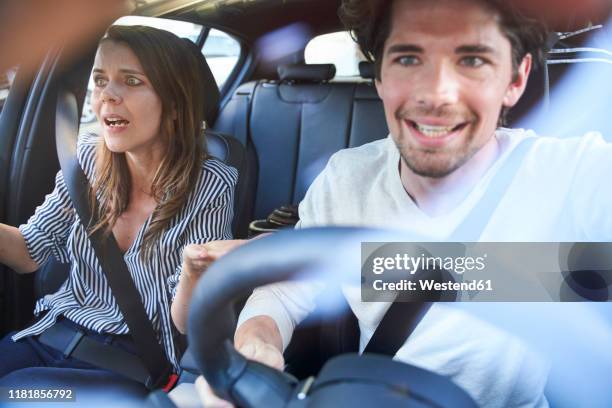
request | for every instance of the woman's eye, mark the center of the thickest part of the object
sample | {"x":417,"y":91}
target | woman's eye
{"x":99,"y":81}
{"x":473,"y":62}
{"x":408,"y":60}
{"x":132,"y":81}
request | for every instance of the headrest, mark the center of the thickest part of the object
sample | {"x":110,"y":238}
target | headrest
{"x":306,"y":72}
{"x":210,"y":89}
{"x":366,"y":70}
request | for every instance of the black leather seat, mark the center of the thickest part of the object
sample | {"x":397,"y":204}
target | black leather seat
{"x":290,"y":128}
{"x":295,"y":124}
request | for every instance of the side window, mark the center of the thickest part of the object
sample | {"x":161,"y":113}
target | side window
{"x":222,"y":53}
{"x":181,"y":28}
{"x":338,"y":49}
{"x":6,"y":80}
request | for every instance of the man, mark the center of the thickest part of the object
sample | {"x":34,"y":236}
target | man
{"x":446,"y":71}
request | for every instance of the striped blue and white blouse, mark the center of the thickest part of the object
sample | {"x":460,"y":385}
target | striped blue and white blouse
{"x":85,"y":297}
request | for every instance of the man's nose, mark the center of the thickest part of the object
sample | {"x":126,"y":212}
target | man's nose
{"x":439,"y":86}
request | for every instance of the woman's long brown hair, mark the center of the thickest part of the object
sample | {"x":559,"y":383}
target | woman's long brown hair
{"x":174,"y":72}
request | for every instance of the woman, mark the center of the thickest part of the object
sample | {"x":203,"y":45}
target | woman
{"x":156,"y":191}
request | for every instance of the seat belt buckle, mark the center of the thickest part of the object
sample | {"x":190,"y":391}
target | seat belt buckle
{"x":172,"y":380}
{"x":165,"y":381}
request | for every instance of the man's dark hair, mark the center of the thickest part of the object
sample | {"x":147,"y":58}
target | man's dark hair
{"x":369,"y":22}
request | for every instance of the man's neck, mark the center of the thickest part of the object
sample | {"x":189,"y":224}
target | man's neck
{"x":437,"y":196}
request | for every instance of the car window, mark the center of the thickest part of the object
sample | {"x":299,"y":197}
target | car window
{"x":181,"y":28}
{"x":6,"y":80}
{"x":336,"y":48}
{"x":222,"y":53}
{"x":578,"y":68}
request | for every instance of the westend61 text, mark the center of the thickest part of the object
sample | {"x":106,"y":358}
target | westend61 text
{"x":430,"y":284}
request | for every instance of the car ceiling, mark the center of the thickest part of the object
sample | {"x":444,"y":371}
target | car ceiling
{"x":254,"y":17}
{"x":249,"y":19}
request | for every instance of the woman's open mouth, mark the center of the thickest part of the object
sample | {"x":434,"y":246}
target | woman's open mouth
{"x":115,"y":123}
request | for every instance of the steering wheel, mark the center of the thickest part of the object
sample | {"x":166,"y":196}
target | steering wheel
{"x":280,"y":257}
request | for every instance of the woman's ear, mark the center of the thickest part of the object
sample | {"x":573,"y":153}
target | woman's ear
{"x":519,"y":82}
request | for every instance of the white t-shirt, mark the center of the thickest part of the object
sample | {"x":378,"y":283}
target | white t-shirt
{"x":559,"y":193}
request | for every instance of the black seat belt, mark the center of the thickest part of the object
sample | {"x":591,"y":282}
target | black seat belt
{"x":396,"y":326}
{"x":402,"y":317}
{"x":106,"y":249}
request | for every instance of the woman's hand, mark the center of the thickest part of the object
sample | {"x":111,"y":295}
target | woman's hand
{"x":198,"y":257}
{"x":196,"y":260}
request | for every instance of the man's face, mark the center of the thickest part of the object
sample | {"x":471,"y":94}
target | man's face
{"x":446,"y":72}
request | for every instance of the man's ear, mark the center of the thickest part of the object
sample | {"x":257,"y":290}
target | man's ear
{"x":517,"y":86}
{"x":379,"y":88}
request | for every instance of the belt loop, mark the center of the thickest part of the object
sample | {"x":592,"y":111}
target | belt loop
{"x":78,"y":335}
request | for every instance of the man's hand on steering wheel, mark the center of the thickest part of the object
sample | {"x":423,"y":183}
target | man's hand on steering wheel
{"x":255,"y":349}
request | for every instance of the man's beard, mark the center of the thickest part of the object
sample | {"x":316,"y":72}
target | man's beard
{"x":436,"y":163}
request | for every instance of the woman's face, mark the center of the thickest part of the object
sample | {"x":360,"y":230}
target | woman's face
{"x":126,"y":105}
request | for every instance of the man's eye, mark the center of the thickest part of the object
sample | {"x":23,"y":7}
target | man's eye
{"x":132,"y":81}
{"x":408,"y":60}
{"x":100,"y":81}
{"x":473,"y":62}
